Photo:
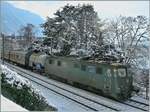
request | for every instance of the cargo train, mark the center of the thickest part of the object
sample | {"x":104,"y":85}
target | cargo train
{"x":108,"y":79}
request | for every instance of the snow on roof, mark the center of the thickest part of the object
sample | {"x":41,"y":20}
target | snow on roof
{"x":80,"y":52}
{"x":8,"y":105}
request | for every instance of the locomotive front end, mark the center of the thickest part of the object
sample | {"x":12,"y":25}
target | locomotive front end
{"x":123,"y":83}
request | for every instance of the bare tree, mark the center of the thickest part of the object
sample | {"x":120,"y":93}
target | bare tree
{"x":128,"y":34}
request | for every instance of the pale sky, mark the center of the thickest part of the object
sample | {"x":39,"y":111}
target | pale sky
{"x":105,"y":9}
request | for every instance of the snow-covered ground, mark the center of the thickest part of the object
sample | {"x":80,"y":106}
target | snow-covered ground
{"x":61,"y":103}
{"x":8,"y":105}
{"x":140,"y":98}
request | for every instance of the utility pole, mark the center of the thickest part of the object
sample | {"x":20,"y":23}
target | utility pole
{"x":2,"y":48}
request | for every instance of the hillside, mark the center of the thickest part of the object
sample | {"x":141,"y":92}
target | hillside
{"x":13,"y":18}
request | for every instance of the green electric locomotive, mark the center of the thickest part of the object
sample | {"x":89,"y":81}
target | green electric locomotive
{"x":109,"y":79}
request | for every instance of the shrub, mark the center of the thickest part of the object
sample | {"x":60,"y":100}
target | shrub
{"x":21,"y":92}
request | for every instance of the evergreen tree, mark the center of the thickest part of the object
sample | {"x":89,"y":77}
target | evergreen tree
{"x":79,"y":26}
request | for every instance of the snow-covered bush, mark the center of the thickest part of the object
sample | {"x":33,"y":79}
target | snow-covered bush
{"x":20,"y":91}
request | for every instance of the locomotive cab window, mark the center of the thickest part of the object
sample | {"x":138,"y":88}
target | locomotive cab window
{"x":98,"y":70}
{"x":59,"y":63}
{"x":91,"y":69}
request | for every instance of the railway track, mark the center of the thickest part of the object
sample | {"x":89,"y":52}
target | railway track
{"x":137,"y":104}
{"x":82,"y":100}
{"x":86,"y":102}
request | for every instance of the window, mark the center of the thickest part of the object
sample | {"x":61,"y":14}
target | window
{"x":50,"y":61}
{"x":91,"y":69}
{"x":83,"y":67}
{"x":98,"y":70}
{"x":59,"y":63}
